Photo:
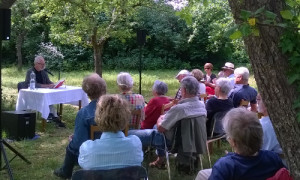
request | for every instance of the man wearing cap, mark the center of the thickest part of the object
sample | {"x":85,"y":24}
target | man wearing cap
{"x":228,"y":70}
{"x":179,"y":77}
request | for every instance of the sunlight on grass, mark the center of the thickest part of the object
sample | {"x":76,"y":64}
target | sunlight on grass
{"x":47,"y":152}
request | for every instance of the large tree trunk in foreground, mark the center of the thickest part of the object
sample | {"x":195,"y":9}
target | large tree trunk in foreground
{"x":270,"y":67}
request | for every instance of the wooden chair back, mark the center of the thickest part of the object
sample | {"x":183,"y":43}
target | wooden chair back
{"x":166,"y":107}
{"x":204,"y":97}
{"x":94,"y":129}
{"x":96,"y":133}
{"x":244,"y":103}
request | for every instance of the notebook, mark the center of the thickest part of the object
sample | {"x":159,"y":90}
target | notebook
{"x":59,"y":83}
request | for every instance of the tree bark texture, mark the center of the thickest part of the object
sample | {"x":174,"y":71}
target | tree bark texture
{"x":270,"y":67}
{"x":19,"y":44}
{"x":98,"y":47}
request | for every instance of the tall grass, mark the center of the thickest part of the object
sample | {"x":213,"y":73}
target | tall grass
{"x":47,"y":152}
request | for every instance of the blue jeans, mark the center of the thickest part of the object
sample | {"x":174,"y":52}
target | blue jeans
{"x":151,"y":137}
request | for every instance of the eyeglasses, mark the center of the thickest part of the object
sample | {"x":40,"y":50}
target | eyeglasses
{"x":206,"y":68}
{"x":43,"y":64}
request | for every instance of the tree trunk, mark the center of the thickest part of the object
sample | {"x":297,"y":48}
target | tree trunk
{"x":270,"y":67}
{"x":19,"y":44}
{"x":98,"y":51}
{"x":98,"y":46}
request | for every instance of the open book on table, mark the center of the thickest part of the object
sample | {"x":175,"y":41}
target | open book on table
{"x":59,"y":83}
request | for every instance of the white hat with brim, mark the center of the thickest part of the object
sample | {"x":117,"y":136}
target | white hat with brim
{"x":228,"y":66}
{"x":186,"y":72}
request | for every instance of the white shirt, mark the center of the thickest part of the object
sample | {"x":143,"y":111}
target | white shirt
{"x":270,"y":141}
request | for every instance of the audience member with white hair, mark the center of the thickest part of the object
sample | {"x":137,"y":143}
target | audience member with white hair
{"x":247,"y":161}
{"x":125,"y":83}
{"x":183,"y":73}
{"x":153,"y":108}
{"x":219,"y":104}
{"x":242,"y":90}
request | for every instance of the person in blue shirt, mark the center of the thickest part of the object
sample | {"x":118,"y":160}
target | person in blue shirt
{"x":113,"y":149}
{"x":270,"y":141}
{"x":95,"y":87}
{"x":245,"y":136}
{"x":242,"y":90}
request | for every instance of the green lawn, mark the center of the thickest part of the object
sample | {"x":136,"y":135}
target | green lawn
{"x":47,"y":152}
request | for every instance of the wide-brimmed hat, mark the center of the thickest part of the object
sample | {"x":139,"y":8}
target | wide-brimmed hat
{"x":229,"y":66}
{"x":186,"y":72}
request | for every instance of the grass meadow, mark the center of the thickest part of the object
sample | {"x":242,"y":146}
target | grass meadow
{"x":47,"y":152}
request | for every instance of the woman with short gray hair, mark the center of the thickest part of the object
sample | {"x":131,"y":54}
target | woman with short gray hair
{"x":153,"y":108}
{"x":125,"y":83}
{"x":218,"y":104}
{"x":244,"y":134}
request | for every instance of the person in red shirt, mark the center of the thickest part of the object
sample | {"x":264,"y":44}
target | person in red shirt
{"x":153,"y":108}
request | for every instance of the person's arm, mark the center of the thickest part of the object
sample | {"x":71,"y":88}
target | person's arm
{"x":46,"y":81}
{"x":84,"y":158}
{"x":46,"y":85}
{"x":210,"y":108}
{"x":159,"y":127}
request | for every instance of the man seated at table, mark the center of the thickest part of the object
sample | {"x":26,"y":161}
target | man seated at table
{"x":42,"y":81}
{"x":242,"y":90}
{"x":95,"y":87}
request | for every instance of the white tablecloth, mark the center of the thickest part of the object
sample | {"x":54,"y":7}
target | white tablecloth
{"x":40,"y":99}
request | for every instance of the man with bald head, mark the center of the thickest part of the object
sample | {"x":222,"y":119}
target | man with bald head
{"x":41,"y":76}
{"x":42,"y":81}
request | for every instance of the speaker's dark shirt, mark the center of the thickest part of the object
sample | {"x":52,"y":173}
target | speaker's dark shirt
{"x":38,"y":76}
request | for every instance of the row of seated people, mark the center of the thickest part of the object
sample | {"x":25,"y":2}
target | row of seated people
{"x":188,"y":108}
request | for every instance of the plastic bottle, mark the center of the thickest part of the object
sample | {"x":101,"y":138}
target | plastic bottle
{"x":32,"y":81}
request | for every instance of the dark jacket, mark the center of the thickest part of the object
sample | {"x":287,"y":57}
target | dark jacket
{"x":45,"y":78}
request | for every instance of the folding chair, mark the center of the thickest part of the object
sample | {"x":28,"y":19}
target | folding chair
{"x":217,"y":118}
{"x":22,"y":85}
{"x":244,"y":103}
{"x":95,"y":133}
{"x":126,"y":173}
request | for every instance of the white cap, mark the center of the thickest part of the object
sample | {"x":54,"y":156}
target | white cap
{"x":186,"y":72}
{"x":229,"y":66}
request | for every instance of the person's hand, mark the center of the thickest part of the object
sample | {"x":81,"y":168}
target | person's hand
{"x":71,"y":137}
{"x":51,"y":86}
{"x":159,"y":120}
{"x":175,"y":101}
